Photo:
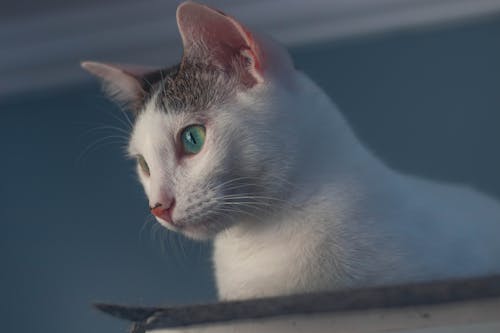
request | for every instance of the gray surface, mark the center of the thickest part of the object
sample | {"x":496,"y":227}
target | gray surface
{"x":427,"y":102}
{"x":388,"y":297}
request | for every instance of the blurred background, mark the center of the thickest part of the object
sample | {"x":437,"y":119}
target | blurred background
{"x":418,"y":80}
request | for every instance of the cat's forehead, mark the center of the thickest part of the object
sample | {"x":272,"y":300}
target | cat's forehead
{"x":155,"y":123}
{"x":153,"y":130}
{"x":191,"y":88}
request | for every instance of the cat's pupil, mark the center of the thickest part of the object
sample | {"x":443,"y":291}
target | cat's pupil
{"x":191,"y":138}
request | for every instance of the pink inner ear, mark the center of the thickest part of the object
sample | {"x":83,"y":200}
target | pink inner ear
{"x":210,"y":35}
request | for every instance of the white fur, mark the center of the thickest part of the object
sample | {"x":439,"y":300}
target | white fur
{"x":325,"y":213}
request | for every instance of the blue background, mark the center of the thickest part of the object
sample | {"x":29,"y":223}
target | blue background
{"x":74,"y":222}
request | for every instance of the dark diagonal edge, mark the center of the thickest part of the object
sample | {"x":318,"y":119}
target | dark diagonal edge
{"x":147,"y":318}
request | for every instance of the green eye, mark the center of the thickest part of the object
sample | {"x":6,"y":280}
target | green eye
{"x":192,"y":138}
{"x":143,"y":164}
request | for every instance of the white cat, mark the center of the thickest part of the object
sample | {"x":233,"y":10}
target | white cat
{"x":235,"y":144}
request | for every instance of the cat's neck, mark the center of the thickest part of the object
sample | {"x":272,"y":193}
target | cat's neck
{"x":328,"y":148}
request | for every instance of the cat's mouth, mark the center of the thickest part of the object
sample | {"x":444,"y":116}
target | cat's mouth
{"x":170,"y":224}
{"x":201,"y":229}
{"x":180,"y":226}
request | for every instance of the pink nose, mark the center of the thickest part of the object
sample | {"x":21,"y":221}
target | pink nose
{"x":164,"y":210}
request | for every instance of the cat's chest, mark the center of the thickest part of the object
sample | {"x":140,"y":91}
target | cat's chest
{"x":267,"y":264}
{"x":241,"y":272}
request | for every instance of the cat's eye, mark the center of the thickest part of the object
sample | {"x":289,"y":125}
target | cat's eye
{"x":192,"y":139}
{"x":143,"y":164}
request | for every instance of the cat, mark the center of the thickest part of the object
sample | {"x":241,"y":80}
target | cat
{"x":234,"y":144}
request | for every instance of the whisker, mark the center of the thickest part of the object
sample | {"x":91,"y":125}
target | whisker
{"x":179,"y":254}
{"x":261,"y":207}
{"x":106,"y":127}
{"x":236,"y":196}
{"x":162,"y":241}
{"x":183,"y":250}
{"x":235,"y":210}
{"x":100,"y":143}
{"x":246,"y":203}
{"x":162,"y":83}
{"x":147,"y":220}
{"x":123,"y":122}
{"x":128,"y":120}
{"x":230,"y":181}
{"x":283,"y":182}
{"x":154,"y":231}
{"x":100,"y":124}
{"x":216,"y":211}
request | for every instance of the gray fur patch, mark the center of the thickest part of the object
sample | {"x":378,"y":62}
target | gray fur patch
{"x":189,"y":87}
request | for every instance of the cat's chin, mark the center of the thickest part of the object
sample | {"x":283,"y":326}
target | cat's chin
{"x":197,"y":231}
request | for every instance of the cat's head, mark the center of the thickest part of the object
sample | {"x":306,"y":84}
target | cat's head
{"x":213,"y":136}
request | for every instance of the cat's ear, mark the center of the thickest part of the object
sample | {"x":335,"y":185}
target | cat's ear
{"x":211,"y":36}
{"x":126,"y":84}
